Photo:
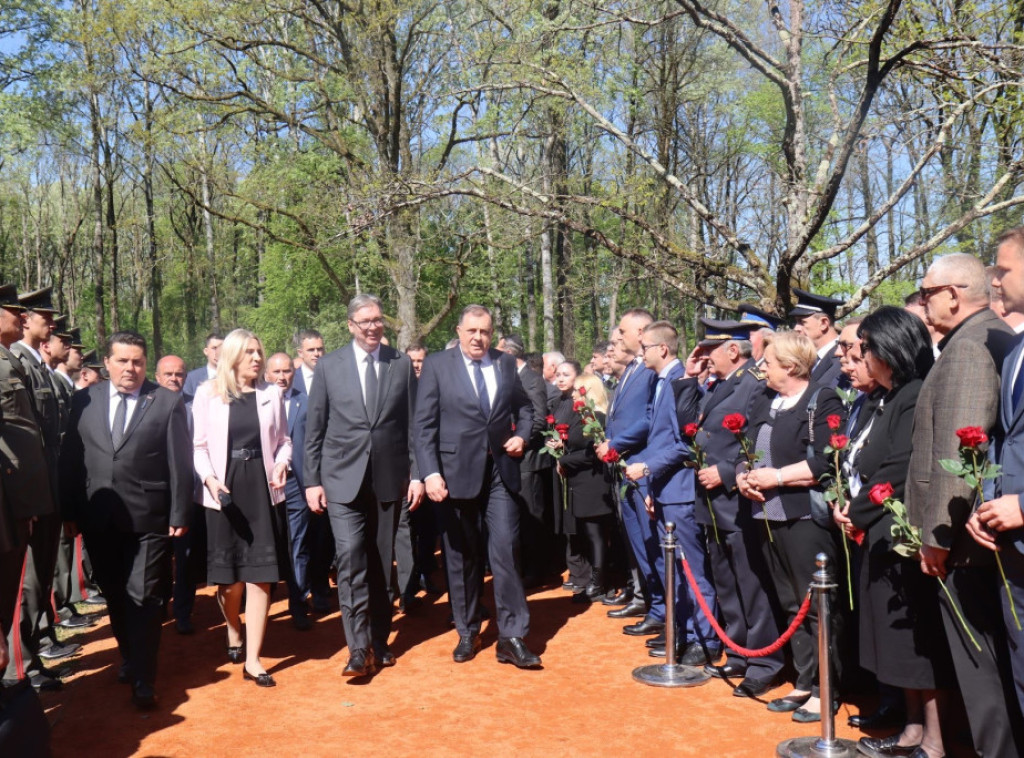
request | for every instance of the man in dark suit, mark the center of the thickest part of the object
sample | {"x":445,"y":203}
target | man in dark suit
{"x":999,"y":523}
{"x":203,"y":373}
{"x":737,"y":565}
{"x":25,"y":492}
{"x":470,"y":399}
{"x":962,"y":389}
{"x":814,"y":316}
{"x":126,"y":470}
{"x":358,"y":468}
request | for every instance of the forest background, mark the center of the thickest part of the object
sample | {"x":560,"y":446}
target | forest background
{"x":176,"y":166}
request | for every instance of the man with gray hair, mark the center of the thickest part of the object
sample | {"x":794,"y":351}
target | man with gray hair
{"x":552,"y":360}
{"x":962,"y":390}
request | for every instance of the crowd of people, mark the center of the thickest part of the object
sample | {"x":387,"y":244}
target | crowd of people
{"x":874,"y":441}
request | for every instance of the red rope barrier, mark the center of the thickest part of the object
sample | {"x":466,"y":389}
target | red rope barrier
{"x":745,"y":652}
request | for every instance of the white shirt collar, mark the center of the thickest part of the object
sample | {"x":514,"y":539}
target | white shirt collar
{"x":360,"y":354}
{"x":485,"y":361}
{"x":114,"y":392}
{"x":827,"y":350}
{"x":664,"y":371}
{"x":35,"y":353}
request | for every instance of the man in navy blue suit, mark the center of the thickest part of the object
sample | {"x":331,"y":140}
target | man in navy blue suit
{"x":473,"y":419}
{"x":670,"y":493}
{"x":199,"y":375}
{"x":999,"y":523}
{"x":627,"y":428}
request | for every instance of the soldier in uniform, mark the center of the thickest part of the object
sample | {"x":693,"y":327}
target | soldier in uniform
{"x":760,"y":323}
{"x":737,"y":564}
{"x":92,"y":371}
{"x":34,"y":637}
{"x":26,"y":494}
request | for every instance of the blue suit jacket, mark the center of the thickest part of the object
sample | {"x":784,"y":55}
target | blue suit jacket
{"x":193,"y":379}
{"x":629,"y":417}
{"x":671,"y":482}
{"x":296,"y":401}
{"x":1010,"y":444}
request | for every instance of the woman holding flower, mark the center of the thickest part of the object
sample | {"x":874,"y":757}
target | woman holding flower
{"x":589,"y":501}
{"x":777,"y":477}
{"x":899,"y":606}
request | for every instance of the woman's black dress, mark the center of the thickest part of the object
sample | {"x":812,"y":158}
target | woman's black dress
{"x":245,"y":539}
{"x":901,"y":638}
{"x":590,"y":485}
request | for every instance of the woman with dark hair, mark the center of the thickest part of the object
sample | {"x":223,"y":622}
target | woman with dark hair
{"x":899,"y":610}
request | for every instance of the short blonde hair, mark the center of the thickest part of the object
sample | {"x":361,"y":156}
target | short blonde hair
{"x":595,"y":391}
{"x":225,"y":381}
{"x":793,"y":351}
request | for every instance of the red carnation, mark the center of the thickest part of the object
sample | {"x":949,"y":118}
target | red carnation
{"x":839,"y":441}
{"x":880,"y":493}
{"x":550,"y":419}
{"x":972,"y":436}
{"x":578,"y":405}
{"x":690,"y":430}
{"x":734,"y":422}
{"x":612,"y":456}
{"x":857,"y":535}
{"x":834,"y":421}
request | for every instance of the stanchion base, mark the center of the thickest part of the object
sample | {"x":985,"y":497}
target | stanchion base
{"x":663,"y":675}
{"x":816,"y":747}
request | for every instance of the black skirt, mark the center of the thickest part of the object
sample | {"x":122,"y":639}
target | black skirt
{"x":246,"y":540}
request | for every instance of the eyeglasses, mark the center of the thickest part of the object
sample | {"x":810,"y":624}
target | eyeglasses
{"x":927,"y":292}
{"x":369,"y":323}
{"x":644,"y":348}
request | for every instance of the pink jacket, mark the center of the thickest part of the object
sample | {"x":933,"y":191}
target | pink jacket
{"x":210,"y":436}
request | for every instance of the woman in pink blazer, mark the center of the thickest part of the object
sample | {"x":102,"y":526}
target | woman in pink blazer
{"x":242,"y":453}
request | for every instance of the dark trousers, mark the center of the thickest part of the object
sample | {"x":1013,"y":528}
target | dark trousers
{"x":133,"y":571}
{"x":189,"y":563}
{"x":34,"y":628}
{"x":1013,"y":565}
{"x":690,"y":538}
{"x":415,"y":539}
{"x":791,"y":562}
{"x":310,"y":546}
{"x":985,"y":677}
{"x":364,"y":542}
{"x":744,"y":598}
{"x":11,"y":562}
{"x":463,"y":520}
{"x":536,"y":536}
{"x":641,"y":535}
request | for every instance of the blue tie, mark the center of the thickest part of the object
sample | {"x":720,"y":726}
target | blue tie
{"x":481,"y":389}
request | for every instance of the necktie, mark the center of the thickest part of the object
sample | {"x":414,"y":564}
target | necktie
{"x":1018,"y":389}
{"x":120,"y":414}
{"x":481,"y":389}
{"x":371,"y":387}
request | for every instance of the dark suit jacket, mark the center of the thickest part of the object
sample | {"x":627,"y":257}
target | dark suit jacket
{"x":671,"y":482}
{"x":962,"y":389}
{"x":629,"y":415}
{"x":341,"y":440}
{"x":1010,"y":444}
{"x":47,"y":403}
{"x":452,"y":437}
{"x":537,"y":390}
{"x":193,"y":379}
{"x":297,"y":403}
{"x":145,"y":484}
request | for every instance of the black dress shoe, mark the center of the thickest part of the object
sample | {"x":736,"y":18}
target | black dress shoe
{"x":386,"y":659}
{"x":361,"y":662}
{"x":633,"y":609}
{"x":76,"y":622}
{"x":699,"y":655}
{"x":123,"y":673}
{"x":184,"y":626}
{"x":467,"y":648}
{"x":658,"y":641}
{"x":571,"y":586}
{"x":262,"y":680}
{"x":618,"y":597}
{"x":514,"y":650}
{"x":728,"y":671}
{"x":429,"y":587}
{"x":236,"y":654}
{"x":646,"y":626}
{"x":662,"y":651}
{"x":302,"y":622}
{"x":143,"y":697}
{"x":788,"y":703}
{"x":95,"y":600}
{"x":59,"y":650}
{"x":886,"y":717}
{"x":753,"y":687}
{"x":884,"y":747}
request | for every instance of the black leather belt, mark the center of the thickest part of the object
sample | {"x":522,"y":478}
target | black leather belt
{"x":246,"y":453}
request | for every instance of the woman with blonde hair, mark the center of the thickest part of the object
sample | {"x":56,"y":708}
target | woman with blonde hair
{"x":242,"y":452}
{"x":589,"y":501}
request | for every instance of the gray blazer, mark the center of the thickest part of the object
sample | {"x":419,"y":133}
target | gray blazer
{"x":342,"y":440}
{"x":962,"y":389}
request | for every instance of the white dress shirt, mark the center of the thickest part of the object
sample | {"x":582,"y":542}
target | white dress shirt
{"x":490,"y":375}
{"x":361,"y":366}
{"x":307,"y":376}
{"x":115,"y":400}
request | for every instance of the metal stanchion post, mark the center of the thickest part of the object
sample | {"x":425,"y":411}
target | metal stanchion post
{"x":827,"y":744}
{"x":670,"y":673}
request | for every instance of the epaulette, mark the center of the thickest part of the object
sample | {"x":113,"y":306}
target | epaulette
{"x":758,"y":374}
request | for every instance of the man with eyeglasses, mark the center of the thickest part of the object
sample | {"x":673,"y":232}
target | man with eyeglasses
{"x":357,"y":468}
{"x":814,"y":317}
{"x":962,"y":390}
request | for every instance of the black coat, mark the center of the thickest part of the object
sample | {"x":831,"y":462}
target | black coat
{"x":589,"y":480}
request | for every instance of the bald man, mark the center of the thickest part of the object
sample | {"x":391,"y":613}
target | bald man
{"x":171,"y":373}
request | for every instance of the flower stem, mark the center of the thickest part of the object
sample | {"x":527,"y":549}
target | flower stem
{"x":849,"y":574}
{"x":565,"y":494}
{"x":1009,"y":595}
{"x":959,"y":616}
{"x":714,"y":522}
{"x":764,"y":510}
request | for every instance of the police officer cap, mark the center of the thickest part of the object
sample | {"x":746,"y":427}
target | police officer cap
{"x":808,"y":304}
{"x":9,"y":297}
{"x":60,"y":328}
{"x":719,"y":332}
{"x":76,"y":338}
{"x":89,"y":360}
{"x":758,"y":318}
{"x":39,"y":301}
